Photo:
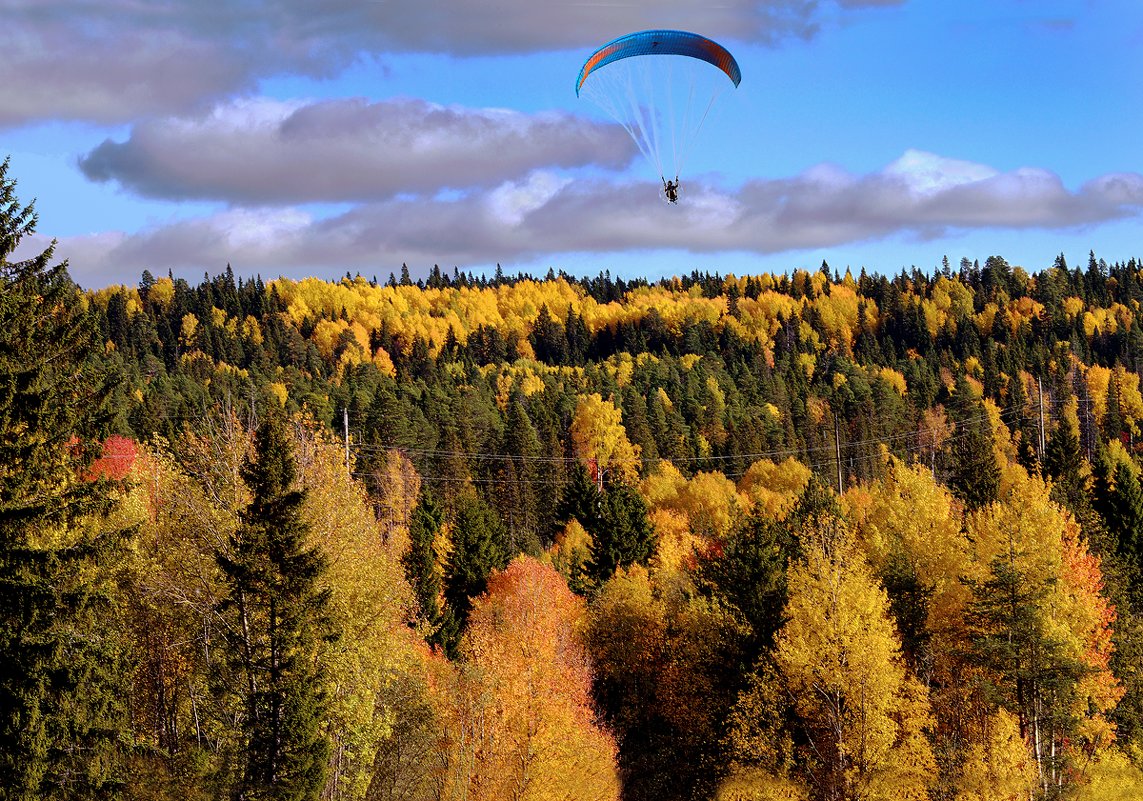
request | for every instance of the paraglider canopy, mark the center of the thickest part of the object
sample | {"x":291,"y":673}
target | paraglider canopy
{"x":662,"y":43}
{"x":660,"y":85}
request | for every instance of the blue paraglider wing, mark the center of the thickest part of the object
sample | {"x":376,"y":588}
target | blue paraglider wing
{"x":663,"y":43}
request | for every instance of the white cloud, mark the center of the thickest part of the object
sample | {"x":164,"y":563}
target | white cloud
{"x":269,"y":152}
{"x":512,"y":202}
{"x":541,"y":215}
{"x":930,"y":174}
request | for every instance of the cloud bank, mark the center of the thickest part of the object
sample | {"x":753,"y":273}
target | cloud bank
{"x":272,"y":152}
{"x":919,"y":194}
{"x":111,"y":61}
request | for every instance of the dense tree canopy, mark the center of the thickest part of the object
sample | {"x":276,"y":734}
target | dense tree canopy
{"x":804,"y":536}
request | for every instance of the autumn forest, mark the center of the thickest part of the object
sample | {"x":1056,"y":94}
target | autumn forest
{"x":809,"y":537}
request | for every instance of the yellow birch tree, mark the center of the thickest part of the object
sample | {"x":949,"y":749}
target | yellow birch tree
{"x":600,"y":440}
{"x":863,"y":713}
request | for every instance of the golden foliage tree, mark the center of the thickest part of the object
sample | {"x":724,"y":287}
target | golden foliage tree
{"x":539,"y":737}
{"x":600,"y":441}
{"x":997,"y":766}
{"x":774,"y":487}
{"x":370,"y":602}
{"x":910,"y":532}
{"x":863,"y":713}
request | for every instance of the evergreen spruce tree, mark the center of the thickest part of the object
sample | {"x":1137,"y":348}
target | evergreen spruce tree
{"x":910,"y":601}
{"x":749,"y":575}
{"x":548,"y":492}
{"x":636,"y":424}
{"x":385,"y":429}
{"x":976,"y":474}
{"x":581,"y":500}
{"x":1116,"y":532}
{"x":616,"y":519}
{"x":1072,"y":485}
{"x":277,"y":626}
{"x":479,"y":546}
{"x":623,"y":536}
{"x":1124,"y":518}
{"x":62,"y":680}
{"x":1063,"y":460}
{"x":420,"y":560}
{"x":387,"y":419}
{"x":548,"y":340}
{"x":519,"y":473}
{"x":578,"y":337}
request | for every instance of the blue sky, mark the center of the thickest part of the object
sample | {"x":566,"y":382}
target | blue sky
{"x":314,"y":138}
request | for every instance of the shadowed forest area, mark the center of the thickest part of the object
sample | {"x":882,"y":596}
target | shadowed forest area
{"x":811,"y":536}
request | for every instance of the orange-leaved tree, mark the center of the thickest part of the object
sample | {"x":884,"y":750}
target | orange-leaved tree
{"x":530,"y":675}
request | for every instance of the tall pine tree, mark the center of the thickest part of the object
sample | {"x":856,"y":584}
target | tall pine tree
{"x":624,"y":536}
{"x":479,"y":546}
{"x":277,"y":625}
{"x":61,"y":685}
{"x":520,"y":472}
{"x":976,"y":474}
{"x":420,"y":561}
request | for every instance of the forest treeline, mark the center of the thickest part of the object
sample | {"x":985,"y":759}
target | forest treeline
{"x":813,"y":536}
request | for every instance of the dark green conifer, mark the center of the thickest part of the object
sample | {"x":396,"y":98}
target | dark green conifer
{"x":1124,"y":518}
{"x":749,"y":575}
{"x":520,"y":472}
{"x":1071,"y":486}
{"x":548,"y":340}
{"x":547,"y":420}
{"x":1063,"y":460}
{"x":976,"y":474}
{"x":909,"y":603}
{"x":277,"y":625}
{"x":578,"y":337}
{"x":636,"y":423}
{"x":622,"y":536}
{"x":616,"y":519}
{"x":582,"y":501}
{"x":420,"y":560}
{"x":479,"y":546}
{"x":62,"y":680}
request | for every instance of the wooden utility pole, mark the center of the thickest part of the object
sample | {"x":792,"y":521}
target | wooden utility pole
{"x":345,"y":419}
{"x":1043,"y":439}
{"x":837,"y":452}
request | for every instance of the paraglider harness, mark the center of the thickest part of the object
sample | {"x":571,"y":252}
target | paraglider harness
{"x":671,"y":190}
